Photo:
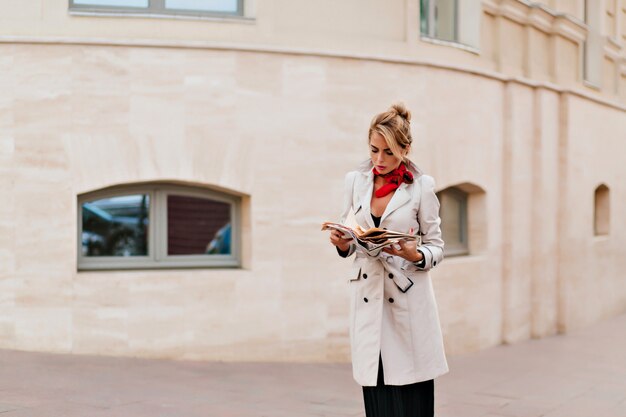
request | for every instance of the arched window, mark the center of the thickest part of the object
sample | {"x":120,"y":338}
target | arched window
{"x":463,"y":215}
{"x":156,"y":226}
{"x":453,"y":213}
{"x":602,"y":211}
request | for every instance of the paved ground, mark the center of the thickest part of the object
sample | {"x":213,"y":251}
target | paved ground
{"x":582,"y":374}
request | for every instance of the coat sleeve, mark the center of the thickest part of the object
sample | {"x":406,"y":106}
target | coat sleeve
{"x":347,"y":206}
{"x":429,"y":221}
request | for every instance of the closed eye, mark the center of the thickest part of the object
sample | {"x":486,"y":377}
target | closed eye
{"x":387,"y":151}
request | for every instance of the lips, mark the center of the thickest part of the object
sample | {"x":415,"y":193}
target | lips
{"x":379,"y":167}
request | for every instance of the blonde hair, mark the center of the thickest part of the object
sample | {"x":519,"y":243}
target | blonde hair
{"x":394,"y":125}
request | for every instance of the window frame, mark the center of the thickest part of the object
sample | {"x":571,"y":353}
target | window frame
{"x":462,"y":197}
{"x":158,"y":257}
{"x":155,"y":8}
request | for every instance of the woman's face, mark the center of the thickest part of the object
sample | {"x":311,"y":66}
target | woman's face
{"x":383,"y":160}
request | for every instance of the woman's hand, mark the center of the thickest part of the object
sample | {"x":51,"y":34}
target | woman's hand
{"x":336,"y":238}
{"x":408,"y":251}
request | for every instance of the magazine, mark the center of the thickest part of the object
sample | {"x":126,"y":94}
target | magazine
{"x":373,"y":240}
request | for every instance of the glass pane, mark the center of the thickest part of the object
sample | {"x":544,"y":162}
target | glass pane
{"x":226,"y":6}
{"x":116,"y":226}
{"x":197,"y":226}
{"x":451,"y":220}
{"x":424,"y":16}
{"x":445,"y":20}
{"x":114,"y":3}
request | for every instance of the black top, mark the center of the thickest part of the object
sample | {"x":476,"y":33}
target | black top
{"x":376,"y":220}
{"x":376,"y":223}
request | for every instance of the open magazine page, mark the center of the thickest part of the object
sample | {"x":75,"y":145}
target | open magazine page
{"x":371,"y":241}
{"x":349,"y":233}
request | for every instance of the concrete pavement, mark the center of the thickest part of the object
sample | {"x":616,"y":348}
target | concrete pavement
{"x":582,"y":374}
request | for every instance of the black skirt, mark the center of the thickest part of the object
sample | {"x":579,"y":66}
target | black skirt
{"x":412,"y":400}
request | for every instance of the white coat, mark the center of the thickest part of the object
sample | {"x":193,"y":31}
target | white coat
{"x":392,"y":304}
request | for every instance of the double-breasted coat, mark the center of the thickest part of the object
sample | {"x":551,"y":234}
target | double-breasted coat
{"x":392,"y":304}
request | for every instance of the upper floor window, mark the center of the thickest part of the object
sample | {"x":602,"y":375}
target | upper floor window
{"x":439,"y":19}
{"x":162,"y":7}
{"x":154,"y":226}
{"x":593,"y":47}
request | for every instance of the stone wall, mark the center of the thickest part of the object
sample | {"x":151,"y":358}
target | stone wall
{"x":281,"y":130}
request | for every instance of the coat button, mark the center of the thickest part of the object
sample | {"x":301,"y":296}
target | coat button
{"x":391,"y":300}
{"x":390,"y":275}
{"x":364,"y":276}
{"x":365,"y":299}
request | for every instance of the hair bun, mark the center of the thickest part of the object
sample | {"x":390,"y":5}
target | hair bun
{"x":401,"y":110}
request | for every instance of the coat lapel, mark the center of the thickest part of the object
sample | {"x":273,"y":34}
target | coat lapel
{"x":399,"y":198}
{"x":365,"y":197}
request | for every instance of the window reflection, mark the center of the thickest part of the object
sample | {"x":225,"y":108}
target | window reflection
{"x":220,"y":244}
{"x":226,"y":6}
{"x":118,"y":3}
{"x":116,"y":226}
{"x":445,"y":19}
{"x":197,"y":226}
{"x":439,"y":19}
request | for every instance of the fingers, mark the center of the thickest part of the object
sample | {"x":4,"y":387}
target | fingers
{"x":391,"y":250}
{"x":338,"y":235}
{"x":336,"y":238}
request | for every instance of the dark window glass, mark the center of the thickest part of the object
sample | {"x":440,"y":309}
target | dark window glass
{"x":197,"y":226}
{"x":453,"y":213}
{"x":116,"y":226}
{"x":424,"y":9}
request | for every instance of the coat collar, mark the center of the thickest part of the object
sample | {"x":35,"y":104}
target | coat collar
{"x":399,"y":198}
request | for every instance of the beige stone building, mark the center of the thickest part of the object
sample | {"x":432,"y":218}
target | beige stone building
{"x":165,"y":166}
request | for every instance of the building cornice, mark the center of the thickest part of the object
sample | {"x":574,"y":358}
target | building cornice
{"x":612,"y":50}
{"x":514,"y":10}
{"x":570,"y":28}
{"x":539,"y":17}
{"x":257,"y":48}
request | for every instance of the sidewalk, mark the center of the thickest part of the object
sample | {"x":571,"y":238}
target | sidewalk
{"x":582,"y":374}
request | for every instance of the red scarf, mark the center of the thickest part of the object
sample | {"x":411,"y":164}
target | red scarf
{"x":393,"y":179}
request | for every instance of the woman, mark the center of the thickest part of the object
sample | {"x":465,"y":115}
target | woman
{"x":395,"y":335}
